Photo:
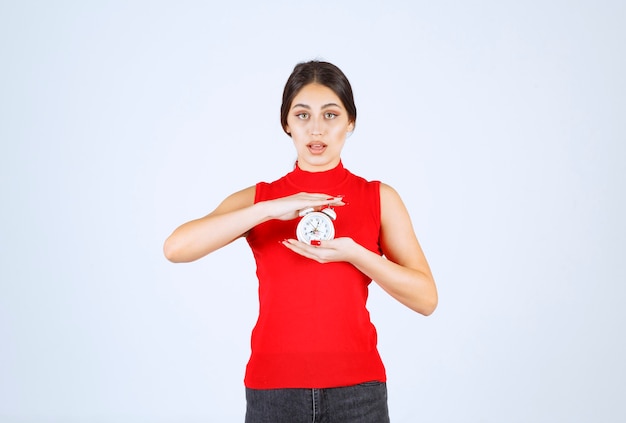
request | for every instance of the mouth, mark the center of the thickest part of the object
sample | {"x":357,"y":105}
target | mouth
{"x":316,"y":147}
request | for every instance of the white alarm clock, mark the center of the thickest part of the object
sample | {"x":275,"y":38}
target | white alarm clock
{"x":316,"y":225}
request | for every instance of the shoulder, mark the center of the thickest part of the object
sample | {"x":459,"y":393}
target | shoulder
{"x":392,"y":208}
{"x":388,"y":194}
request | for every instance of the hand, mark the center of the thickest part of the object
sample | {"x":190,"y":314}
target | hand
{"x":287,"y":208}
{"x":333,"y":250}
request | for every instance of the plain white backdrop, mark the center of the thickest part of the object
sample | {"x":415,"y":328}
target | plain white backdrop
{"x":502,"y":124}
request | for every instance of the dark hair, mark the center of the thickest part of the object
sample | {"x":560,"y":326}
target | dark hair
{"x":322,"y":73}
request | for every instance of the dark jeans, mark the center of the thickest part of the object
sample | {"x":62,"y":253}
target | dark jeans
{"x":364,"y":403}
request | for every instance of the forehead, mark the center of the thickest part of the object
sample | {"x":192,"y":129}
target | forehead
{"x":316,"y":95}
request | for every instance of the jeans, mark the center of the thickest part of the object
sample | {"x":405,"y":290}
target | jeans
{"x":364,"y":403}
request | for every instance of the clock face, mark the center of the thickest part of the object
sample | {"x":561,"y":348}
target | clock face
{"x":315,"y":226}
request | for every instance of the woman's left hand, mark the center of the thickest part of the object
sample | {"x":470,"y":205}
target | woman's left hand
{"x":402,"y":271}
{"x":333,"y":250}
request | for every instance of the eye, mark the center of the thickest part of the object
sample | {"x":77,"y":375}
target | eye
{"x":303,"y":115}
{"x":330,"y":115}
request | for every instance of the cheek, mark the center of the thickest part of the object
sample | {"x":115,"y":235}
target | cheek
{"x":296,"y":127}
{"x":298,"y":136}
{"x":340,"y":131}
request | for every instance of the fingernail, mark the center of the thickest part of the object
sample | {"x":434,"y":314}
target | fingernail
{"x":316,"y":242}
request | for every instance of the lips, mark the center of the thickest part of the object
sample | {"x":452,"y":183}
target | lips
{"x":316,"y":147}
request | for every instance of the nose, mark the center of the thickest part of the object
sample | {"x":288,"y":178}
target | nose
{"x":317,"y":127}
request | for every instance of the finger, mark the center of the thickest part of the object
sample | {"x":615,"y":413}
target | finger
{"x":306,"y":250}
{"x":330,"y":201}
{"x":324,"y":197}
{"x":337,"y":202}
{"x":336,"y":199}
{"x":298,"y":247}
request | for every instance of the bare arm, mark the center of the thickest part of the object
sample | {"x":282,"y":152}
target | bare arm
{"x":403,"y":273}
{"x":232,"y":219}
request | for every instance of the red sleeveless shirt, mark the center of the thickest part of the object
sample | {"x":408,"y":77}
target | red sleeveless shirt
{"x":314,"y":330}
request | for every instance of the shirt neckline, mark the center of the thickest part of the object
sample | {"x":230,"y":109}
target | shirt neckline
{"x":318,"y":181}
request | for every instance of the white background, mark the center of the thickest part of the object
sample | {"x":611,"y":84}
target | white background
{"x":502,"y":125}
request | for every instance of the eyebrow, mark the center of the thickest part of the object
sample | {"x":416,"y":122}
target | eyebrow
{"x":325,"y":106}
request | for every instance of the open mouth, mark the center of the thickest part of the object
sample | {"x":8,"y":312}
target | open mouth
{"x":316,"y":147}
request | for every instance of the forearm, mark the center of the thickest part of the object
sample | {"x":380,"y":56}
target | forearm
{"x":197,"y":238}
{"x":412,"y":287}
{"x":233,"y":218}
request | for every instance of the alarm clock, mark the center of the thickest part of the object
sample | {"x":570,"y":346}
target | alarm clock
{"x":316,"y":225}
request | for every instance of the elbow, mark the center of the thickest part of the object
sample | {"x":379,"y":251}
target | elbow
{"x":177,"y":250}
{"x":429,"y":308}
{"x":428,"y":304}
{"x":171,"y":251}
{"x":422,"y":305}
{"x":431,"y":299}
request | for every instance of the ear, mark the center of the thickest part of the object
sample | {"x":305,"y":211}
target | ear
{"x":351,"y":127}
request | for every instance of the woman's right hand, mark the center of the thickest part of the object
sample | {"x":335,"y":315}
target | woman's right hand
{"x":288,"y":208}
{"x":233,"y":218}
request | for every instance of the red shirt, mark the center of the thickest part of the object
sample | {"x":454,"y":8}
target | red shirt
{"x":314,"y":330}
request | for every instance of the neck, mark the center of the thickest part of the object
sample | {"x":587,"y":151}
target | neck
{"x":322,"y":167}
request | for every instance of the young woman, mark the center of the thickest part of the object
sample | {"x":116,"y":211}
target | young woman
{"x":314,"y":354}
